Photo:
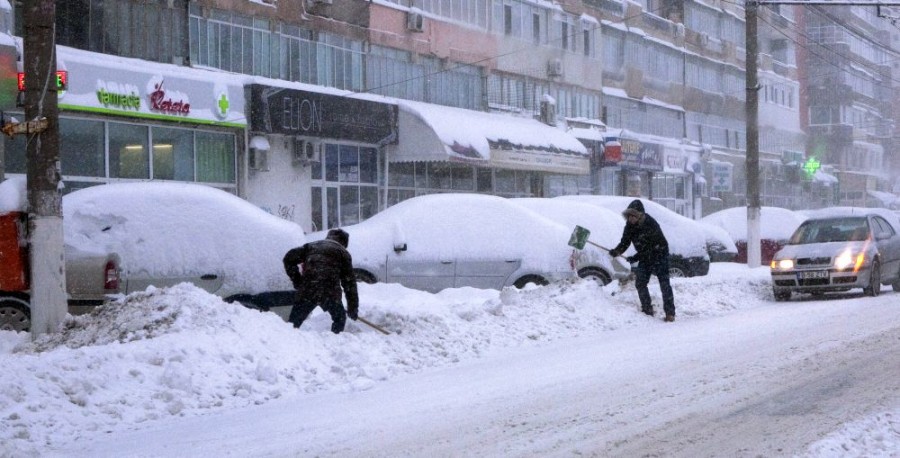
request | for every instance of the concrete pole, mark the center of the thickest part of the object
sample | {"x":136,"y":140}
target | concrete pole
{"x":45,"y":230}
{"x":754,"y":256}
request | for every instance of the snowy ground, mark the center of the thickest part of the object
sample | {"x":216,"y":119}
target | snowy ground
{"x":162,"y":357}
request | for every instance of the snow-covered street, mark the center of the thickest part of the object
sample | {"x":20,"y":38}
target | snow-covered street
{"x":554,"y":371}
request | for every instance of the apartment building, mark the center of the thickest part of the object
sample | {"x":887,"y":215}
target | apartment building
{"x":326,"y":111}
{"x":850,"y":94}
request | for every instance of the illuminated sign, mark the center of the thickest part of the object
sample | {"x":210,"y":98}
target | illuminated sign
{"x":811,"y":166}
{"x":125,"y":101}
{"x":62,"y":80}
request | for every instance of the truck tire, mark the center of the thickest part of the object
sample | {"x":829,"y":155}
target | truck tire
{"x":15,"y":315}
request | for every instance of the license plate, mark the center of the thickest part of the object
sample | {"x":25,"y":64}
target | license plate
{"x":814,"y":274}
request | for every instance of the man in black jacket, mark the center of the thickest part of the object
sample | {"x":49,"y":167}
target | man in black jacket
{"x":652,"y":256}
{"x":326,"y":268}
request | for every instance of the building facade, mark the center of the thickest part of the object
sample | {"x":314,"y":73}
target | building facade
{"x":327,"y":111}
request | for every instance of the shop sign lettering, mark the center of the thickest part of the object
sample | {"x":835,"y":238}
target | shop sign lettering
{"x":159,"y":102}
{"x":130,"y":101}
{"x":301,"y":114}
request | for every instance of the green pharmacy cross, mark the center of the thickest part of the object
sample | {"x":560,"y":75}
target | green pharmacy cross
{"x":811,"y":166}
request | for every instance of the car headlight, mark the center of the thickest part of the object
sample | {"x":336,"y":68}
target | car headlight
{"x":782,"y":264}
{"x":846,"y":260}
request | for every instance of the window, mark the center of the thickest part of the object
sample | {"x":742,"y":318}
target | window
{"x":173,"y":154}
{"x":129,"y":155}
{"x":83,"y":151}
{"x":215,"y":157}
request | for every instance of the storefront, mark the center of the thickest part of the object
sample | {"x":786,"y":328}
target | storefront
{"x":655,"y":168}
{"x":444,"y":149}
{"x":130,"y":120}
{"x":315,"y":155}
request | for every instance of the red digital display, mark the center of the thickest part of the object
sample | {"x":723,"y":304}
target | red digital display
{"x":62,"y":80}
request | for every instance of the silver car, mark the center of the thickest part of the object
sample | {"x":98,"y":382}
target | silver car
{"x":840,"y":251}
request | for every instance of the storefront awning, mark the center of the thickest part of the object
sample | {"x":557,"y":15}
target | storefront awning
{"x":437,"y":133}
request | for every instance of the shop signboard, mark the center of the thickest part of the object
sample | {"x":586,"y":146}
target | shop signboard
{"x":641,"y":155}
{"x":150,"y":91}
{"x":723,"y":178}
{"x":306,"y":113}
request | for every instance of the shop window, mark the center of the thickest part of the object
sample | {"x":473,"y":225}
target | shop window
{"x":129,"y":155}
{"x":316,"y":206}
{"x":402,"y":174}
{"x":349,"y":205}
{"x":82,"y":152}
{"x":368,"y":165}
{"x":505,"y":182}
{"x":439,"y":175}
{"x":332,"y":154}
{"x":215,"y":157}
{"x":463,"y":177}
{"x":485,"y":180}
{"x":15,"y":153}
{"x":348,"y":171}
{"x":368,"y":201}
{"x":173,"y":154}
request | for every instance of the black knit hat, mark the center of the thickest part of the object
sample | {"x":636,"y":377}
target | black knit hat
{"x":339,"y":235}
{"x":635,"y":208}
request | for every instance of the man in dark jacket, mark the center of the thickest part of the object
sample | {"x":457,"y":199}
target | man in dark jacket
{"x":652,"y":256}
{"x":326,"y":268}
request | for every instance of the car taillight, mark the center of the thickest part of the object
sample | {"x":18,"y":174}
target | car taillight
{"x":112,"y":276}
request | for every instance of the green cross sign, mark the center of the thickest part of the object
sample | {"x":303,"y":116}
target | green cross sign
{"x":223,"y":104}
{"x":811,"y":166}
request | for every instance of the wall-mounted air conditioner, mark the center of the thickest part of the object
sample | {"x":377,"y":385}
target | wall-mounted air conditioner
{"x":554,"y":68}
{"x":307,"y":152}
{"x":415,"y":21}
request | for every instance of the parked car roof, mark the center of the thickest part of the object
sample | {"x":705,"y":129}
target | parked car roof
{"x":164,"y":230}
{"x":686,"y":236}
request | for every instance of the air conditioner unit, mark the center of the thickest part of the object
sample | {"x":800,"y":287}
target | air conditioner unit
{"x":415,"y":21}
{"x":554,"y":68}
{"x":704,"y":40}
{"x":258,"y":159}
{"x":307,"y":152}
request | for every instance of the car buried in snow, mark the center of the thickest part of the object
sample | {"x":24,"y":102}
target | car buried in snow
{"x":450,"y":240}
{"x":839,"y":250}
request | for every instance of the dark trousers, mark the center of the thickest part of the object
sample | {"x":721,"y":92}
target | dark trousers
{"x":642,"y":274}
{"x":303,"y":308}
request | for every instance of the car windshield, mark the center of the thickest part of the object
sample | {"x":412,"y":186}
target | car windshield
{"x":831,"y":230}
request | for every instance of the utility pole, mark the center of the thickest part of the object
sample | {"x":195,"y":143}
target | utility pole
{"x":45,"y":230}
{"x":754,"y":245}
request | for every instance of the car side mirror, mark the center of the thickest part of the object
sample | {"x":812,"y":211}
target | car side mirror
{"x":399,"y":247}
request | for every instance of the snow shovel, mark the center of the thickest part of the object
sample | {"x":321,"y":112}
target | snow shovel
{"x":579,"y":238}
{"x":373,"y":325}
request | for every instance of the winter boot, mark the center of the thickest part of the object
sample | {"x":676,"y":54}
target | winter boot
{"x":670,"y":318}
{"x":647,"y":310}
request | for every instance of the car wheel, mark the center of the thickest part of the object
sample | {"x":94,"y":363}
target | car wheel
{"x":782,"y":295}
{"x":874,"y":280}
{"x":595,"y":274}
{"x":535,"y":279}
{"x":677,"y":271}
{"x":14,"y":314}
{"x":364,"y":277}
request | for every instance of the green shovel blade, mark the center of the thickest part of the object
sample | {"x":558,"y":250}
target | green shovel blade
{"x":579,"y":237}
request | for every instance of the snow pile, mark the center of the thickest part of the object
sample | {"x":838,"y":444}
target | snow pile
{"x":875,"y":436}
{"x":181,"y":352}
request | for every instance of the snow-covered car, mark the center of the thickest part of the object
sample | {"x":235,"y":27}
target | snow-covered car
{"x":689,"y":240}
{"x":443,"y":241}
{"x":168,"y":233}
{"x":776,"y":226}
{"x":838,"y":250}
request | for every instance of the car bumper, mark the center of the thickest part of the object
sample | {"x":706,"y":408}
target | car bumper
{"x":826,"y":280}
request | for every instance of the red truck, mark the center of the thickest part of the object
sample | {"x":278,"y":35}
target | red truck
{"x":90,"y":277}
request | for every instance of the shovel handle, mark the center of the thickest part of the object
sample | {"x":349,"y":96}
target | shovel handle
{"x":373,"y":325}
